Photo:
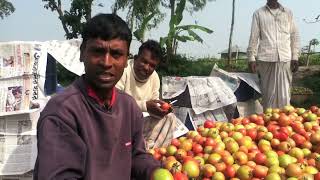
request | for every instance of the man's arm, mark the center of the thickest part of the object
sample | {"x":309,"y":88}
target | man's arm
{"x":295,"y":39}
{"x":61,"y":152}
{"x":143,"y":163}
{"x":253,"y":42}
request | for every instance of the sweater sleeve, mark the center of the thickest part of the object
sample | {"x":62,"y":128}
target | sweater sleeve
{"x":61,"y":152}
{"x":143,"y":164}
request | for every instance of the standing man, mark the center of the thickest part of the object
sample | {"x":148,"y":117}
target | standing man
{"x":141,"y":81}
{"x":92,"y":131}
{"x":273,"y":52}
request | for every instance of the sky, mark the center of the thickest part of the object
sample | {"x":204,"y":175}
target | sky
{"x":32,"y":22}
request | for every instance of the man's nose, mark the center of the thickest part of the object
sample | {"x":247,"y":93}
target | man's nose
{"x":107,"y":59}
{"x":146,"y":67}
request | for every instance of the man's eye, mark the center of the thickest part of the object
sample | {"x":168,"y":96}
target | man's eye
{"x":98,"y":51}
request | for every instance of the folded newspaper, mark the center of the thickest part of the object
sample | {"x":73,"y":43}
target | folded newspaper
{"x":18,"y":141}
{"x":22,"y":74}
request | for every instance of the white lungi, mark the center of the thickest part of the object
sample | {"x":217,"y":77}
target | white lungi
{"x":275,"y":82}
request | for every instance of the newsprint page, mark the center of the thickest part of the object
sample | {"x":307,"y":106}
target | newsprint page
{"x":22,"y":75}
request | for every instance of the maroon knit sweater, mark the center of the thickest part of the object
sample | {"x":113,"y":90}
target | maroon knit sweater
{"x":80,"y":139}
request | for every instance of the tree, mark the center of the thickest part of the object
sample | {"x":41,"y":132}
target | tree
{"x":142,"y":15}
{"x":6,"y":8}
{"x":72,"y":20}
{"x":316,"y":19}
{"x":182,"y":33}
{"x":314,"y":43}
{"x":231,"y":33}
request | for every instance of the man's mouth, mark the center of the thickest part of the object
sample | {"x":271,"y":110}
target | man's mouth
{"x":106,"y":76}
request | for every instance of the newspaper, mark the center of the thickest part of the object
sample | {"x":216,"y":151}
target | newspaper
{"x":173,"y":86}
{"x":209,"y":93}
{"x":18,"y":141}
{"x":251,"y":79}
{"x":16,"y":94}
{"x":230,"y":79}
{"x":213,"y":115}
{"x":67,"y":53}
{"x":180,"y":129}
{"x":22,"y":74}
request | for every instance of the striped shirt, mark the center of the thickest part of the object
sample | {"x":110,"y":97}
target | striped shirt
{"x":274,"y":36}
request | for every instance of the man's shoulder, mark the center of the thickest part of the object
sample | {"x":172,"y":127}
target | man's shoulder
{"x":68,"y":98}
{"x":260,"y":10}
{"x":123,"y":96}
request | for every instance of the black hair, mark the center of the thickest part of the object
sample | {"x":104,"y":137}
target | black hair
{"x":154,"y":47}
{"x":106,"y":27}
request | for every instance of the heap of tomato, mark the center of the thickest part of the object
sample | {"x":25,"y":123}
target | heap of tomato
{"x":278,"y":144}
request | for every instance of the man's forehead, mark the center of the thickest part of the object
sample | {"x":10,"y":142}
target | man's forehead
{"x":113,"y":43}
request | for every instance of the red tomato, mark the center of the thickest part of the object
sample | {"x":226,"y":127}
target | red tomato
{"x":252,"y":133}
{"x":230,"y":172}
{"x":175,"y":142}
{"x":197,"y":148}
{"x":260,"y":171}
{"x":260,"y":158}
{"x":317,"y":176}
{"x":165,"y":106}
{"x":210,"y":142}
{"x":180,"y":176}
{"x":208,"y":124}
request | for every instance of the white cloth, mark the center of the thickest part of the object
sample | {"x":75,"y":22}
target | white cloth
{"x":273,"y":34}
{"x":275,"y":82}
{"x":140,"y":91}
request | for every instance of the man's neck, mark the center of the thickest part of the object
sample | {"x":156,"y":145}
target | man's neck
{"x":104,"y":94}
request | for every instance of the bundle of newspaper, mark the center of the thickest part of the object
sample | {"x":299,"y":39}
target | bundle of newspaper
{"x":22,"y":74}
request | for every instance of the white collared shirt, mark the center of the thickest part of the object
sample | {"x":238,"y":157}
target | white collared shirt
{"x":274,"y":36}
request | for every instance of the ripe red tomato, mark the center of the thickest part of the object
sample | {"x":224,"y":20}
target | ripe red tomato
{"x":260,"y":171}
{"x":208,"y":124}
{"x":165,"y":106}
{"x":175,"y":142}
{"x":197,"y":148}
{"x":180,"y":176}
{"x":317,"y":176}
{"x":230,"y":172}
{"x":260,"y":158}
{"x":252,"y":133}
{"x":210,"y":142}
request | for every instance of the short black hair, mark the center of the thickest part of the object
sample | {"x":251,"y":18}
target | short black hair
{"x":106,"y":27}
{"x":154,"y":47}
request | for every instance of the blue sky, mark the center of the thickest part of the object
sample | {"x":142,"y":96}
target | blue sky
{"x":32,"y":22}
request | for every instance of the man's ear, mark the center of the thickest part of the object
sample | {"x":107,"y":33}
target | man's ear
{"x":126,"y":64}
{"x":135,"y":57}
{"x":82,"y":48}
{"x":81,"y":56}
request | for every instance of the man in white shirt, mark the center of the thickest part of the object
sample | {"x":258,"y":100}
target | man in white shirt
{"x":273,"y":52}
{"x":141,"y":81}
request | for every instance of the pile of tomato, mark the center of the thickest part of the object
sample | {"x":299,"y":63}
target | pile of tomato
{"x":278,"y":144}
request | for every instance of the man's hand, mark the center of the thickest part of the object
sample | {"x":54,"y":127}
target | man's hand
{"x":252,"y":66}
{"x":154,"y":107}
{"x":294,"y":66}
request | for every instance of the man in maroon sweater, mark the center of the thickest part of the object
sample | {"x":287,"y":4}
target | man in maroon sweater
{"x":92,"y":131}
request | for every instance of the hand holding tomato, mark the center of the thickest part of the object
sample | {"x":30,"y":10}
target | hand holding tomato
{"x":158,"y":108}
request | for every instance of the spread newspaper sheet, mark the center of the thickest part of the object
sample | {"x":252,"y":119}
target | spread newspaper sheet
{"x":18,"y":141}
{"x":22,"y":74}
